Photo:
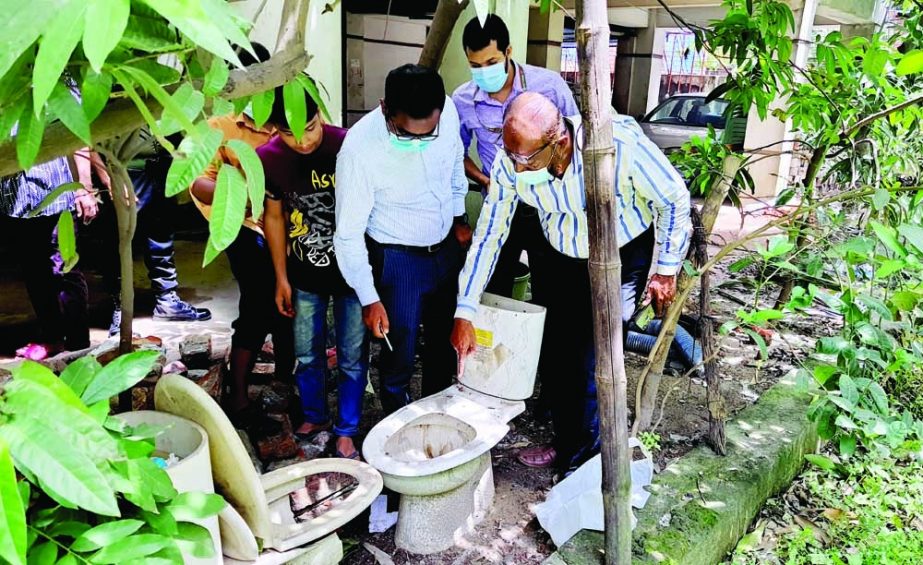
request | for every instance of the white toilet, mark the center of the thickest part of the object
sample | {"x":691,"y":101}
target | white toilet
{"x":436,"y":452}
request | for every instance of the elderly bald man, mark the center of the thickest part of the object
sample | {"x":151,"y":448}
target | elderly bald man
{"x":542,"y":166}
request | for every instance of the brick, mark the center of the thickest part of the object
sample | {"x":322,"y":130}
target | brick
{"x":196,"y":351}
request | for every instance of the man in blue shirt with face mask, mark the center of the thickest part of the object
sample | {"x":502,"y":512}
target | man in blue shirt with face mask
{"x":401,"y":227}
{"x":496,"y":81}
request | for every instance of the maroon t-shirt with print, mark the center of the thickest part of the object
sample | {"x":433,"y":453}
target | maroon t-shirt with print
{"x":305,"y":184}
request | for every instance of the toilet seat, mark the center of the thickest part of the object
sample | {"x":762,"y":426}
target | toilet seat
{"x":438,"y":433}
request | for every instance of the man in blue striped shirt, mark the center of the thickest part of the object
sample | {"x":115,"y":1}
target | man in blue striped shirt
{"x":542,"y":166}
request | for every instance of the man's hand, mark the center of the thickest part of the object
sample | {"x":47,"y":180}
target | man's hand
{"x":375,"y":319}
{"x":463,"y":339}
{"x":662,"y":290}
{"x":463,"y":234}
{"x":86,"y":204}
{"x":284,"y":299}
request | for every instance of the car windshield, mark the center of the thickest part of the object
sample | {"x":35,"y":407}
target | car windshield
{"x":691,"y":111}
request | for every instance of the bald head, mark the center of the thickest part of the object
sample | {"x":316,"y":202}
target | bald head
{"x":532,"y":118}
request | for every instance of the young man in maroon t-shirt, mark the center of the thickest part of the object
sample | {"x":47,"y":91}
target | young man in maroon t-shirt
{"x":299,"y":223}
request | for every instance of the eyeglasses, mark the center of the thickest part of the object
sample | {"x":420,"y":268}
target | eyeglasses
{"x":528,"y":159}
{"x":490,"y":118}
{"x":404,"y":135}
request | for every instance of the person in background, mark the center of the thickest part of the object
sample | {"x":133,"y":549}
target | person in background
{"x":58,"y":295}
{"x":299,"y":222}
{"x":401,"y":226}
{"x":542,"y":167}
{"x":496,"y":80}
{"x":251,"y":264}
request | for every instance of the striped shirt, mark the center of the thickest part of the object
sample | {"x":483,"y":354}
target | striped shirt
{"x":647,"y":187}
{"x":395,"y":197}
{"x":22,"y":192}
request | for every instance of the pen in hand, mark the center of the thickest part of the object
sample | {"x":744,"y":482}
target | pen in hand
{"x":384,"y":334}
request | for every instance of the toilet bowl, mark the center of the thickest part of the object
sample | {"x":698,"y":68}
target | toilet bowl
{"x":435,"y":452}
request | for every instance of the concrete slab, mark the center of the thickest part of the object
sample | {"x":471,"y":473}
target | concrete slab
{"x":703,"y":503}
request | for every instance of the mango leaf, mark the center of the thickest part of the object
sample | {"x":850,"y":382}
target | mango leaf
{"x":106,"y":534}
{"x":848,"y":389}
{"x":12,"y":512}
{"x":119,"y":375}
{"x":190,"y":101}
{"x":193,"y":21}
{"x":911,"y":63}
{"x":172,"y":108}
{"x":216,"y":77}
{"x":54,"y":50}
{"x":820,"y":461}
{"x":295,"y":108}
{"x":150,"y":34}
{"x":194,"y":540}
{"x":253,"y":170}
{"x":196,"y":152}
{"x":105,"y":23}
{"x":913,"y":234}
{"x":52,"y":196}
{"x":129,"y":548}
{"x":228,"y":207}
{"x":58,"y":466}
{"x":43,"y":553}
{"x":888,"y":236}
{"x":32,"y":372}
{"x":188,"y":506}
{"x":67,"y":240}
{"x":877,"y":306}
{"x":79,"y":373}
{"x":29,"y":135}
{"x":222,"y":107}
{"x":9,"y":117}
{"x":261,"y":104}
{"x":66,"y":108}
{"x":95,"y":91}
{"x":24,"y":21}
{"x":310,"y":87}
{"x":211,"y":252}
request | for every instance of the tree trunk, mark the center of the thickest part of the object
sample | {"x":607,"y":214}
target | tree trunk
{"x":125,"y":203}
{"x":447,"y":13}
{"x":605,"y":276}
{"x":649,"y":382}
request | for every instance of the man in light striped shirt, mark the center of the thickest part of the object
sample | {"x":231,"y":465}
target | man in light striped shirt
{"x":542,"y":167}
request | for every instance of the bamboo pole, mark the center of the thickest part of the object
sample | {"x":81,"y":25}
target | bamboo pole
{"x":605,"y":276}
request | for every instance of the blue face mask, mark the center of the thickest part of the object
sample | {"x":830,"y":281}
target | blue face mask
{"x":408,"y":145}
{"x":490,"y":78}
{"x":535,"y":177}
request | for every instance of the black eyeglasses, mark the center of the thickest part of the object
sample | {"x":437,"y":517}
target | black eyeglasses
{"x":527,"y":159}
{"x":404,"y":135}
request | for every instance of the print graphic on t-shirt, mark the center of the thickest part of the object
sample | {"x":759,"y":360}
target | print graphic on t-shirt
{"x":311,"y":231}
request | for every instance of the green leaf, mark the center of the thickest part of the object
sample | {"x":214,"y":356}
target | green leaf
{"x":913,"y":234}
{"x":68,"y":559}
{"x":190,"y":101}
{"x":741,"y":264}
{"x":132,"y":547}
{"x":876,"y":305}
{"x":119,"y":375}
{"x":195,"y":540}
{"x":24,"y":21}
{"x":253,"y":170}
{"x":889,"y":267}
{"x":848,"y":389}
{"x":189,"y":506}
{"x":832,"y":345}
{"x":106,"y":534}
{"x":760,"y":317}
{"x":759,"y":341}
{"x":879,"y":397}
{"x":161,"y":522}
{"x":823,"y":372}
{"x":32,"y":372}
{"x":171,"y":106}
{"x":29,"y":136}
{"x":881,"y":198}
{"x":222,"y":107}
{"x":228,"y":207}
{"x":888,"y":236}
{"x":196,"y":152}
{"x":847,"y":445}
{"x":67,"y":240}
{"x":149,"y":34}
{"x":106,"y":21}
{"x":95,"y":92}
{"x":43,"y":554}
{"x":52,"y":196}
{"x":295,"y":108}
{"x":65,"y":107}
{"x":54,"y":50}
{"x":211,"y":252}
{"x":905,"y":300}
{"x":79,"y":373}
{"x":12,"y":512}
{"x":216,"y":77}
{"x":845,"y":422}
{"x":196,"y":23}
{"x":310,"y":87}
{"x":262,"y":106}
{"x":911,"y":63}
{"x":58,"y":466}
{"x":820,"y":461}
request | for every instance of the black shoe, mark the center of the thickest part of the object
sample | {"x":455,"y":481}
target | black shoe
{"x":172,"y":308}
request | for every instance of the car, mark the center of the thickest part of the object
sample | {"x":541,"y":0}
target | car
{"x":678,"y":118}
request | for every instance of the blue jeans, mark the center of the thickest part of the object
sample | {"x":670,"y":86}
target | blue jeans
{"x":311,"y":358}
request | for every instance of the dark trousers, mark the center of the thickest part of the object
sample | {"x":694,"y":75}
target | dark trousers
{"x":154,"y":232}
{"x":257,"y":314}
{"x":567,"y":368}
{"x":525,"y":235}
{"x":58,"y":298}
{"x":416,"y":287}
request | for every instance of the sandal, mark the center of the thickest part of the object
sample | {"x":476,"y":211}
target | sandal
{"x":538,"y":457}
{"x":309,"y":436}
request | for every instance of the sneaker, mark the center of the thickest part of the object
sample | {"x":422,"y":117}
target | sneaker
{"x":116,"y":323}
{"x":172,"y":308}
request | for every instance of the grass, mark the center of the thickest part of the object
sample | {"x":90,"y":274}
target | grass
{"x":871,"y":514}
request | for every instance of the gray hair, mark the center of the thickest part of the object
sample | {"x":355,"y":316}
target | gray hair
{"x":533,"y":115}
